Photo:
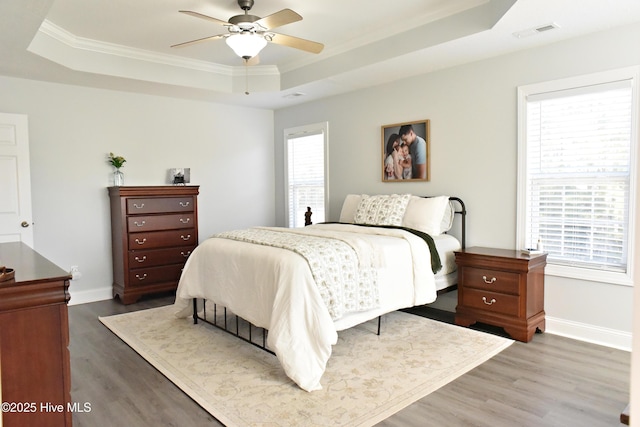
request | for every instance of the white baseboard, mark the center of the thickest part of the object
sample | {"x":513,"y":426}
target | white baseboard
{"x":594,"y":334}
{"x":580,"y":331}
{"x":93,"y":295}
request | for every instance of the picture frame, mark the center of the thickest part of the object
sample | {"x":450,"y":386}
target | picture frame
{"x":406,"y":157}
{"x":179,"y":176}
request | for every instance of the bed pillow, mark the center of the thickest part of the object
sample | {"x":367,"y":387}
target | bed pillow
{"x":382,"y":209}
{"x":447,"y":218}
{"x":349,"y":207}
{"x":426,"y":214}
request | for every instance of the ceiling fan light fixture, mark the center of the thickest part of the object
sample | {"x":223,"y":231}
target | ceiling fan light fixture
{"x":246,"y":45}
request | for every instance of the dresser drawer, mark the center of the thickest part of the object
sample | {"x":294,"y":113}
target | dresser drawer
{"x":137,"y":224}
{"x":148,"y":276}
{"x":162,"y":239}
{"x":153,"y":257}
{"x":490,"y":301}
{"x":160,"y":205}
{"x":491,"y":280}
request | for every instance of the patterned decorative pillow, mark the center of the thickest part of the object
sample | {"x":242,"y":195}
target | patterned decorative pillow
{"x":382,"y":209}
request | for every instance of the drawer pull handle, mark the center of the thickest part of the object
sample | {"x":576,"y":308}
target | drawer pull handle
{"x":135,"y":205}
{"x":143,"y":259}
{"x":139,"y":224}
{"x":141,"y":242}
{"x":186,"y":255}
{"x":184,"y":204}
{"x":185,"y":221}
{"x":488,"y":282}
{"x":139,"y":277}
{"x":484,"y":300}
{"x":187,"y":237}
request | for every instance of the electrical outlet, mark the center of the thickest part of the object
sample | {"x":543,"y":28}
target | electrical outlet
{"x":75,"y":272}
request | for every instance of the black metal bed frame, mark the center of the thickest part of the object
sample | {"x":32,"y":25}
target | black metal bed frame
{"x":224,"y":325}
{"x":264,"y":332}
{"x":462,"y":211}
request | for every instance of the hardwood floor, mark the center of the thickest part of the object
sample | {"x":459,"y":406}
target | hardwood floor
{"x":551,"y":381}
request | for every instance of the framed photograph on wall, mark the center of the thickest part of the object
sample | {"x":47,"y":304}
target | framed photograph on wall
{"x":406,"y":153}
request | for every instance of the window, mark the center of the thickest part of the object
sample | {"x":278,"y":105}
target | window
{"x":305,"y":175}
{"x":576,"y":180}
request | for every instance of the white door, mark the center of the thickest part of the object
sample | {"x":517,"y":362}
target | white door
{"x":15,"y":180}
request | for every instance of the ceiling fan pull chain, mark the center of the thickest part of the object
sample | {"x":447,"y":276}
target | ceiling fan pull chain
{"x":246,"y":76}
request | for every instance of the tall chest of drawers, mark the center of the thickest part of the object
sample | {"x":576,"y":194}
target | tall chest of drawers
{"x":154,"y":229}
{"x":503,"y":288}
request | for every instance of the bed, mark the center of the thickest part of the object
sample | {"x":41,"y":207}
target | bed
{"x":305,"y":285}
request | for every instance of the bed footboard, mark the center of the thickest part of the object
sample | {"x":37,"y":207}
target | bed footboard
{"x":232,"y":324}
{"x":235,"y":325}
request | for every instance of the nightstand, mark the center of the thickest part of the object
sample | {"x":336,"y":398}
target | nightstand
{"x":501,"y":287}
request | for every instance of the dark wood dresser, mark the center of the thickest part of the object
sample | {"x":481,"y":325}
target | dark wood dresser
{"x":34,"y":340}
{"x":153,"y":231}
{"x":503,"y":288}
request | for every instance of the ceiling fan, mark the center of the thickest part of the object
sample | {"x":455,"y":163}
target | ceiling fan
{"x":249,"y":34}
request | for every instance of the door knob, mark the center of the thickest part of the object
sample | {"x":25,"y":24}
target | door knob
{"x":24,"y":224}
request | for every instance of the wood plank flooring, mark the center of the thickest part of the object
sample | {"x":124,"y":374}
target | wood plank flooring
{"x":551,"y":381}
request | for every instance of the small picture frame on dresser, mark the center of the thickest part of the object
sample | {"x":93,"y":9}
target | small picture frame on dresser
{"x":179,"y":176}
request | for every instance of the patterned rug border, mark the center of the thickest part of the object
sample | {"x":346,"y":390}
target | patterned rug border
{"x":228,"y":417}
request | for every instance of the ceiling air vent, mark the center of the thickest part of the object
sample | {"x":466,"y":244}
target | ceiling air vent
{"x":546,"y":28}
{"x":536,"y":30}
{"x":295,"y":95}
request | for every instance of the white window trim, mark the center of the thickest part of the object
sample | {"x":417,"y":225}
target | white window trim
{"x":632,"y":73}
{"x":312,"y":129}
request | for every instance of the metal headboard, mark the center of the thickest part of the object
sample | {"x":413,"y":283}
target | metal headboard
{"x":462,"y":211}
{"x":458,"y":208}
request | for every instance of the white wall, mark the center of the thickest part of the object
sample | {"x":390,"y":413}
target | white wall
{"x":73,"y":128}
{"x":472,"y":109}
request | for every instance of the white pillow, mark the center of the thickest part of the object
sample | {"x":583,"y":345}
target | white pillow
{"x":447,"y":218}
{"x":382,"y":209}
{"x":348,"y":213}
{"x":426,"y":214}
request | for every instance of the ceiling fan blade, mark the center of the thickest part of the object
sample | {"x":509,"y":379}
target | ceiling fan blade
{"x":278,"y":19}
{"x":296,"y":42}
{"x":201,"y":16}
{"x":204,"y":39}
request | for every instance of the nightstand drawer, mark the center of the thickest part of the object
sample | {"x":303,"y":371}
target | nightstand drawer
{"x":491,"y":280}
{"x":490,"y":301}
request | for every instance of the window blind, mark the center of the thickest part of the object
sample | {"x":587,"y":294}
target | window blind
{"x":306,"y":181}
{"x":578,"y":174}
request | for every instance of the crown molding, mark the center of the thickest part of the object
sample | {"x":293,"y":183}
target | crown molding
{"x":71,"y":40}
{"x":86,"y":55}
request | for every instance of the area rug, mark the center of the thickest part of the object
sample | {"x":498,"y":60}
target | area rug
{"x":368,"y":377}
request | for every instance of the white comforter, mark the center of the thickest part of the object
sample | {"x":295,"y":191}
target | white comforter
{"x":273,"y":288}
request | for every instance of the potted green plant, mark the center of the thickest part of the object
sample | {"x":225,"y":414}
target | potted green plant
{"x":117,"y":162}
